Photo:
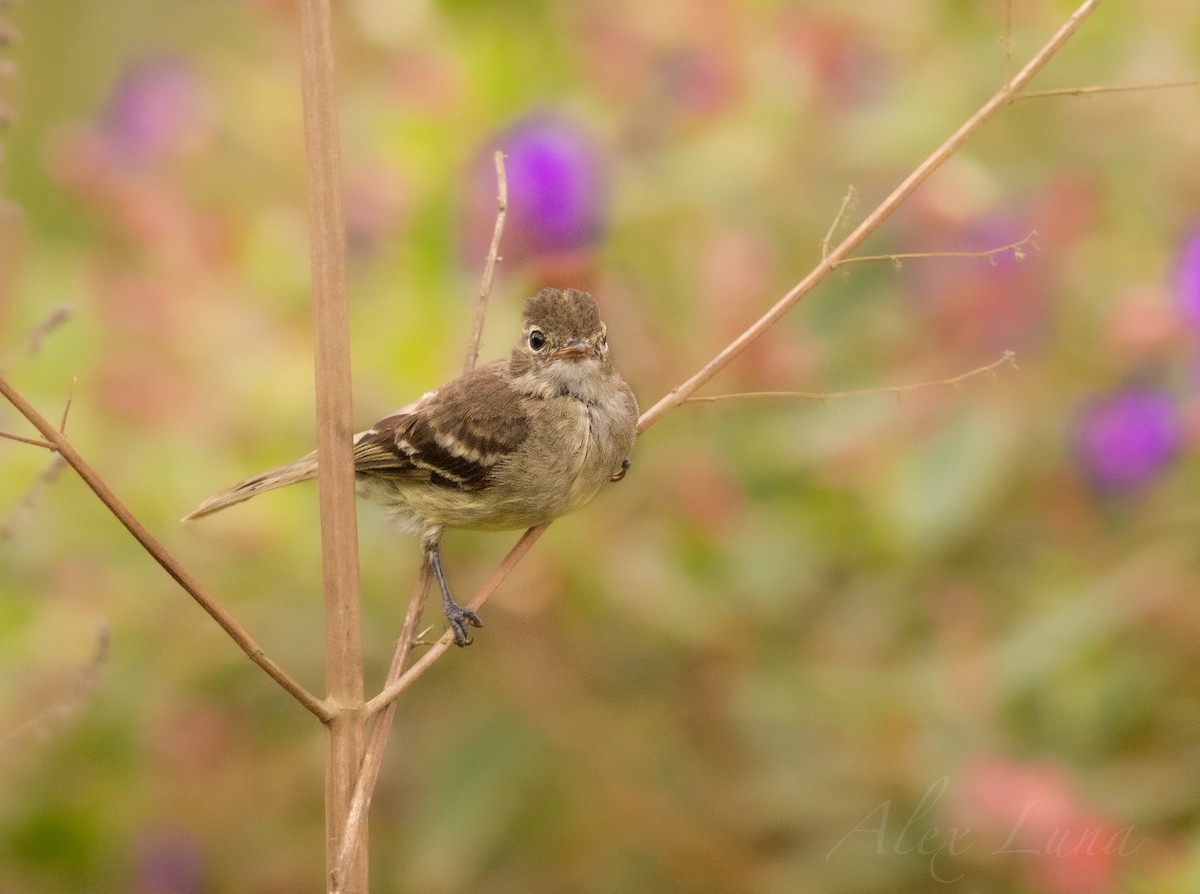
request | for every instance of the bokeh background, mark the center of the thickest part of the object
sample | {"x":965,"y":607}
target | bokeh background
{"x":947,"y":643}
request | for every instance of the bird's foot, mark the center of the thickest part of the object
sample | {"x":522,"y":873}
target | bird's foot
{"x":460,"y":619}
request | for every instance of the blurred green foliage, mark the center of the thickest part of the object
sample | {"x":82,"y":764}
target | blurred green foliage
{"x":859,"y":645}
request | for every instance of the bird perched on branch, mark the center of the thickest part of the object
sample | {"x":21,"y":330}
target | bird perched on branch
{"x":512,"y":444}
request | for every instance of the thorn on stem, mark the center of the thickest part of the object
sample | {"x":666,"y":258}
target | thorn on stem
{"x":62,"y":426}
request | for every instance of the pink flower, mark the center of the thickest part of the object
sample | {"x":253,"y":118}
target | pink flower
{"x":1030,"y":815}
{"x":154,"y":108}
{"x":1187,"y":278}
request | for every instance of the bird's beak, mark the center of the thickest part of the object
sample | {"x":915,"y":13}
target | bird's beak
{"x":576,"y":349}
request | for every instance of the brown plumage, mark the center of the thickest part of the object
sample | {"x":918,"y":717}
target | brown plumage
{"x":514,"y":443}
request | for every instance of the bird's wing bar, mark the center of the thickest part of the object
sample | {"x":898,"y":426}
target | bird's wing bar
{"x":456,"y":435}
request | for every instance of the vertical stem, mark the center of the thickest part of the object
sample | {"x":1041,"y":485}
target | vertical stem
{"x":489,"y":267}
{"x":381,"y":725}
{"x":339,"y":525}
{"x":377,"y":736}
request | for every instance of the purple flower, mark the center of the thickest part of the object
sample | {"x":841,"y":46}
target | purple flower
{"x":1126,"y":439}
{"x":555,"y":191}
{"x":1187,"y":278}
{"x":153,"y":108}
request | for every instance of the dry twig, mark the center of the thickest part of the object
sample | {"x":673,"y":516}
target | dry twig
{"x":21,"y":439}
{"x":160,"y":554}
{"x":352,"y":770}
{"x":49,"y":475}
{"x":898,"y":391}
{"x":489,"y":267}
{"x":830,"y":261}
{"x":377,"y":738}
{"x":884,"y":210}
{"x":335,"y":462}
{"x":849,"y":200}
{"x":507,"y":564}
{"x":1105,"y":88}
{"x":1016,"y":248}
{"x":377,"y":734}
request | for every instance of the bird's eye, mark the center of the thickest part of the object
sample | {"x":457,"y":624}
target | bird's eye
{"x":537,"y":340}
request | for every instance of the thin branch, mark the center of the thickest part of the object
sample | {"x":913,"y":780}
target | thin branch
{"x":391,"y":691}
{"x":489,"y":267}
{"x":848,"y":200}
{"x":49,"y":475}
{"x":1007,"y":358}
{"x":1105,"y":88}
{"x":159,"y":553}
{"x":62,"y":427}
{"x":62,"y":423}
{"x":352,"y":834}
{"x":32,"y":442}
{"x":377,"y":735}
{"x":885,"y":209}
{"x":382,"y":706}
{"x":990,"y":253}
{"x":828,"y":263}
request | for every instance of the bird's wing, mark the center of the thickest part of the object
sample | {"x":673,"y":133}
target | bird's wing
{"x":453,"y":436}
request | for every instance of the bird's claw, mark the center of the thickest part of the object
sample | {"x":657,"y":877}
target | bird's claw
{"x":460,"y":619}
{"x":457,"y":617}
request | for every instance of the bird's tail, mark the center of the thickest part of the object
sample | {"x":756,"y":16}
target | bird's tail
{"x":301,"y":470}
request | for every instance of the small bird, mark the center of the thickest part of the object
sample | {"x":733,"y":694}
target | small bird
{"x":511,"y":444}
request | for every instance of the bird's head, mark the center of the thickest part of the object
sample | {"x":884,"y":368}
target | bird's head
{"x":564,"y":344}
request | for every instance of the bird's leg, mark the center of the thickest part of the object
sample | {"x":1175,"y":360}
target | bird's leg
{"x":457,"y":616}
